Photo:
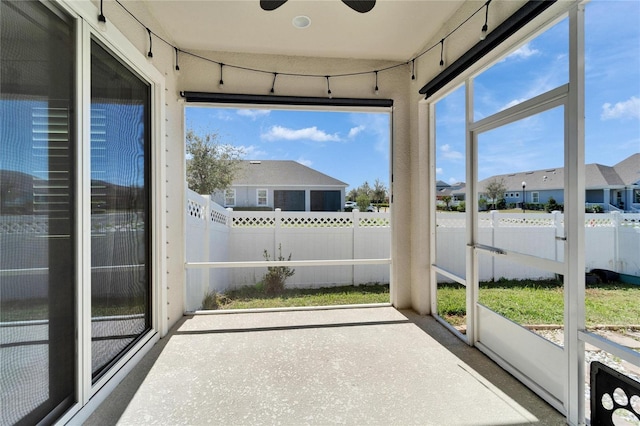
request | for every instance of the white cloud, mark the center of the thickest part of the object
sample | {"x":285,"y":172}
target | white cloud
{"x":353,"y":132}
{"x":450,"y":154}
{"x":309,"y":133}
{"x":625,"y":109}
{"x":252,"y":152}
{"x":253,"y":113}
{"x":439,"y":171}
{"x":453,"y":180}
{"x":304,"y":162}
{"x":524,"y":52}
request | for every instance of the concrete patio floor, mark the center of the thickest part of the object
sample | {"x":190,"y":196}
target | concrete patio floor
{"x":346,"y":366}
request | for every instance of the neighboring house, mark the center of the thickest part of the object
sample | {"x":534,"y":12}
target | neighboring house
{"x":283,"y":184}
{"x":615,"y":188}
{"x":456,"y":191}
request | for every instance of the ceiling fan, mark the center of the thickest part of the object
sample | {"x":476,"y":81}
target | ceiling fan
{"x":361,"y":6}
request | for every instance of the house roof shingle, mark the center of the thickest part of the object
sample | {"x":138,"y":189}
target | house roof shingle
{"x":626,"y":172}
{"x":281,"y":173}
{"x":629,"y":169}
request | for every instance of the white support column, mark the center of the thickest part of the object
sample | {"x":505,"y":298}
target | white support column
{"x":574,"y":311}
{"x":606,"y":199}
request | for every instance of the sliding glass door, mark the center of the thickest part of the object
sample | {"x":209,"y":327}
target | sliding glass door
{"x":120,"y":302}
{"x":38,"y":213}
{"x":75,"y":213}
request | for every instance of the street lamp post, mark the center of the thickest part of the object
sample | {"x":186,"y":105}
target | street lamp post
{"x":524,"y":185}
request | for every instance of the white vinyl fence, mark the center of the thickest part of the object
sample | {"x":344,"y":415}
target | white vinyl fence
{"x":217,"y":235}
{"x":612,"y":242}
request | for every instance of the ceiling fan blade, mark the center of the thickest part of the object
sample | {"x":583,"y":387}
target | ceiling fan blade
{"x":361,"y":6}
{"x":271,"y":4}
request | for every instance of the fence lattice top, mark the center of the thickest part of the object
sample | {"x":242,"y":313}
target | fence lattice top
{"x":253,"y":222}
{"x":218,"y":217}
{"x":316,"y":222}
{"x":375,"y":222}
{"x":195,"y":209}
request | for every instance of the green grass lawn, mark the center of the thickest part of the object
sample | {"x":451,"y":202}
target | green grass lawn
{"x":38,"y":309}
{"x":542,"y":302}
{"x":254,"y":297}
{"x":525,"y":302}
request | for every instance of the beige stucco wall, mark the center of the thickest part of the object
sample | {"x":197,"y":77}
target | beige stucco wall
{"x":410,"y":165}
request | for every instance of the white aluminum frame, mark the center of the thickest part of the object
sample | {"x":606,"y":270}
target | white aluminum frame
{"x":494,"y":333}
{"x":571,"y":97}
{"x":89,"y":395}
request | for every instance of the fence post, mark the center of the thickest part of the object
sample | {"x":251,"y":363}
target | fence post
{"x":615,"y":219}
{"x":557,"y":222}
{"x":495,"y":222}
{"x":277,"y":218}
{"x":354,"y":238}
{"x":206,"y":216}
{"x":229,"y":221}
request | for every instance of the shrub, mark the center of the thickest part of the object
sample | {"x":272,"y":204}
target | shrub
{"x":276,"y":275}
{"x":461,"y":206}
{"x":363,"y":202}
{"x":210,"y":301}
{"x":553,"y":205}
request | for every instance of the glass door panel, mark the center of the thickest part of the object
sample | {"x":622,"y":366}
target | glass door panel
{"x":37,"y":213}
{"x":529,"y":296}
{"x":521,"y":175}
{"x":532,"y":69}
{"x":452,"y":302}
{"x":450,"y":199}
{"x":519,"y":247}
{"x":120,"y":184}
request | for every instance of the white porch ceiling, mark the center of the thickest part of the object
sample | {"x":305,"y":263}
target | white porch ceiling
{"x":394,"y":30}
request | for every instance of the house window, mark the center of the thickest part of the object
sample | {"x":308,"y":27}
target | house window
{"x":535,"y":197}
{"x":289,"y":200}
{"x":325,"y":201}
{"x":262,"y":197}
{"x":230,"y":197}
{"x":636,"y":195}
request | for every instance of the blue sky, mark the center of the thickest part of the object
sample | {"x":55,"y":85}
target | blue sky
{"x":349,"y":146}
{"x":354,"y":147}
{"x":612,"y":97}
